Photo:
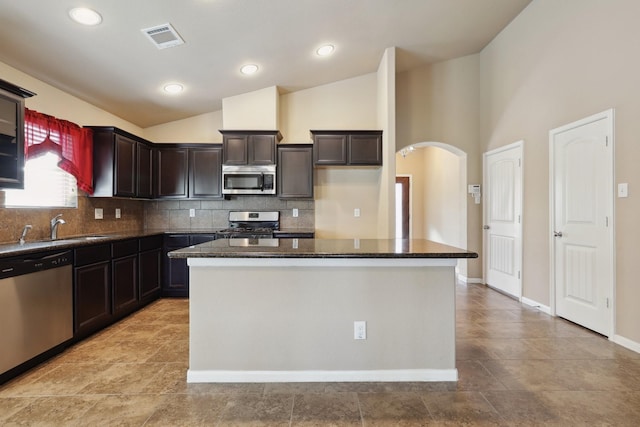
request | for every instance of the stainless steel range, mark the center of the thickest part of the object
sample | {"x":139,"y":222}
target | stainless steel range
{"x":251,"y":225}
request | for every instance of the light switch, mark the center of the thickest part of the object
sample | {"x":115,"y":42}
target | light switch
{"x":623,"y":189}
{"x":356,"y":212}
{"x":118,"y":213}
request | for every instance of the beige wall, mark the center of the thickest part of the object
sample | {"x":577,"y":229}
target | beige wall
{"x":441,"y":103}
{"x":555,"y":63}
{"x":347,"y":104}
{"x":386,"y":106}
{"x":201,"y":128}
{"x":257,"y":110}
{"x":55,"y":102}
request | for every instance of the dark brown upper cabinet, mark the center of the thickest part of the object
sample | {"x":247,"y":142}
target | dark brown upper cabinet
{"x":205,"y":169}
{"x":249,"y":147}
{"x":347,"y":148}
{"x":12,"y":134}
{"x":122,"y":164}
{"x":295,"y":171}
{"x":171,"y":177}
{"x":188,"y":171}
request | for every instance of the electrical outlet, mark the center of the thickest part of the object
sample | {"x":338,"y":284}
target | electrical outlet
{"x":360,"y":330}
{"x":295,"y":212}
{"x":118,"y":213}
{"x":294,"y":244}
{"x":623,"y":189}
{"x":98,"y":213}
{"x":192,"y":213}
{"x":356,"y":212}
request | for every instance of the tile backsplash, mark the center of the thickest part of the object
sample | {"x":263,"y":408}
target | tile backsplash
{"x":174,"y":214}
{"x":78,"y":221}
{"x":140,"y":215}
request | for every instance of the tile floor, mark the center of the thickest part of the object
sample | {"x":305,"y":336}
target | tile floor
{"x":517,"y":366}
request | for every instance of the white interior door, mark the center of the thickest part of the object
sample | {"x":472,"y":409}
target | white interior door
{"x":582,"y":206}
{"x":503,"y":218}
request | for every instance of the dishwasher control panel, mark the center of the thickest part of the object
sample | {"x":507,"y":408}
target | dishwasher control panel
{"x":26,"y":264}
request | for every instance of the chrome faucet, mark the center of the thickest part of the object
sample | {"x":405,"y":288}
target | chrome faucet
{"x":25,"y":230}
{"x":55,"y":222}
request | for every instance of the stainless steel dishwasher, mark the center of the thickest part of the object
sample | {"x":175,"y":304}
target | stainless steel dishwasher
{"x":36,"y":305}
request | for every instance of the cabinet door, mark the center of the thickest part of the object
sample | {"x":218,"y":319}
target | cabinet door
{"x":124,"y":167}
{"x":295,"y":172}
{"x":205,"y":169}
{"x":149,"y":284}
{"x":92,"y":297}
{"x":365,"y":149}
{"x":330,"y":149}
{"x":235,"y":149}
{"x":262,"y":150}
{"x":145,"y":171}
{"x":175,"y":282}
{"x":171,"y":173}
{"x":125,"y":284}
{"x":11,"y":141}
{"x":177,"y":278}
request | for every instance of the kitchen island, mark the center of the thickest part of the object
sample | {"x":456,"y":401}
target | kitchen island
{"x":284,"y":310}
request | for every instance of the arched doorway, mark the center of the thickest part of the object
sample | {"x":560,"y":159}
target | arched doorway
{"x":437,"y":177}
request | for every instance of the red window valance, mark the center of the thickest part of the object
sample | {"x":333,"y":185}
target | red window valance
{"x":71,"y":142}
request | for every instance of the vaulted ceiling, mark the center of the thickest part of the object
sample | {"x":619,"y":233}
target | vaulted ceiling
{"x":116,"y":67}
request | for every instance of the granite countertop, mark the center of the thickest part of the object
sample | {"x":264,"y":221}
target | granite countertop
{"x":71,"y":242}
{"x":321,"y":248}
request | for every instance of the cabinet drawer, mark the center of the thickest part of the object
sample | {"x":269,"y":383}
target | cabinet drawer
{"x":151,"y":242}
{"x":196,"y":239}
{"x":124,"y":248}
{"x":92,"y":254}
{"x":176,"y":240}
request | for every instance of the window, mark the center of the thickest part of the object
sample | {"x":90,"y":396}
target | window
{"x":58,"y":161}
{"x":45,"y":185}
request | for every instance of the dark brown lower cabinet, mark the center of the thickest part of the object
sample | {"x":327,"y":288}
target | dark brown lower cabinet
{"x":176,"y":271}
{"x":124,"y":267}
{"x":113,"y":280}
{"x":150,"y":268}
{"x":92,"y":289}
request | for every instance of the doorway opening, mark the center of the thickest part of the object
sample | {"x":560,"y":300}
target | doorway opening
{"x":437,"y":195}
{"x":403,"y":212}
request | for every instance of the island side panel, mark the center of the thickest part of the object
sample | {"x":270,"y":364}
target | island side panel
{"x":301,"y":318}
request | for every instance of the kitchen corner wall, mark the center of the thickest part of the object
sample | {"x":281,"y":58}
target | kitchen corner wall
{"x":210,"y":214}
{"x":78,"y":221}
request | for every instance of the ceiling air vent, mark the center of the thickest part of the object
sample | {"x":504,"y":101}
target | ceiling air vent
{"x":163,"y":36}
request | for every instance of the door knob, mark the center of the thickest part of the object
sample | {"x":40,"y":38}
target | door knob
{"x":485,"y":227}
{"x":557,"y":233}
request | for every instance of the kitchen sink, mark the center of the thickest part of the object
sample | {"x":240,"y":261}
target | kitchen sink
{"x":82,"y":238}
{"x":49,"y":244}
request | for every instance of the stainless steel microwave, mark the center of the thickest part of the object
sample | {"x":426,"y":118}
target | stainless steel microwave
{"x":249,"y":179}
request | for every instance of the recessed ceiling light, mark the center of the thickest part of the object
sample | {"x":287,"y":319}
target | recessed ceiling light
{"x":85,"y":16}
{"x":173,"y":88}
{"x":249,"y":69}
{"x":325,"y":50}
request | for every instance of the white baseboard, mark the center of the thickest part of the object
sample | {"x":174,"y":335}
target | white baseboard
{"x":543,"y":308}
{"x":391,"y":375}
{"x":465,"y":279}
{"x":626,"y":342}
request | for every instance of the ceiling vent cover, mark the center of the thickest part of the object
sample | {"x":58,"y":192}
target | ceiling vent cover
{"x":163,"y":36}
